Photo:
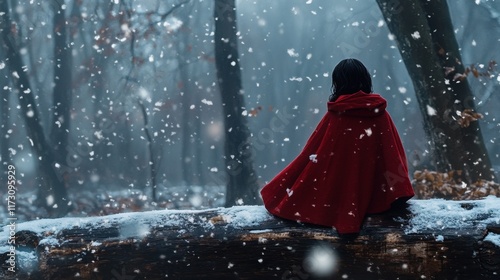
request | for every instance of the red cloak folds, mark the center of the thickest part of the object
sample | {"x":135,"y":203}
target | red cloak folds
{"x":352,"y":165}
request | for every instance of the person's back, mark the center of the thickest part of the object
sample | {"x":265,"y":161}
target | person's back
{"x":353,"y":163}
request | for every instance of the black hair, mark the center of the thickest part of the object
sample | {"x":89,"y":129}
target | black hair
{"x":350,"y":76}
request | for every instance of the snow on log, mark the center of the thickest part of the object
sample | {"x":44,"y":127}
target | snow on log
{"x":430,"y":239}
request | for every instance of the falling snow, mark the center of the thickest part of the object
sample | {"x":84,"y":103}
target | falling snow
{"x":292,"y":53}
{"x":146,"y":103}
{"x":321,"y":260}
{"x":431,"y":111}
{"x":207,"y":102}
{"x":415,"y":35}
{"x":313,"y":158}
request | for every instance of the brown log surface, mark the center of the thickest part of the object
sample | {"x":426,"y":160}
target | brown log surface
{"x":248,"y":243}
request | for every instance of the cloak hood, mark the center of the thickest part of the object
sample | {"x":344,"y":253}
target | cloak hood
{"x":359,"y":104}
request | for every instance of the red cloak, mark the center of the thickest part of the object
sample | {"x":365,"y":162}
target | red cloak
{"x":352,"y":165}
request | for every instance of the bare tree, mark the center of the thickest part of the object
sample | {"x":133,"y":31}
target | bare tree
{"x":152,"y":158}
{"x":427,"y":43}
{"x":54,"y":197}
{"x":242,"y":179}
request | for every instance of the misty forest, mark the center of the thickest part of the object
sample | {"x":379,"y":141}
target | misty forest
{"x":129,"y":106}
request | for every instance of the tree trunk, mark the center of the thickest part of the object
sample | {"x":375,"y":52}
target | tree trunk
{"x":5,"y":115}
{"x":62,"y":83}
{"x":200,"y":146}
{"x":242,"y":184}
{"x":187,"y":160}
{"x":247,"y":243}
{"x":54,"y":196}
{"x":427,"y":43}
{"x":152,"y":158}
{"x":62,"y":95}
{"x":98,"y":71}
{"x":475,"y":158}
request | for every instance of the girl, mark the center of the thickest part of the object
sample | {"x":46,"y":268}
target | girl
{"x":352,"y":165}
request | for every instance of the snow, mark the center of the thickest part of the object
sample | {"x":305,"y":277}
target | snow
{"x":415,"y":35}
{"x":138,"y":224}
{"x":132,"y":229}
{"x":27,"y":261}
{"x":292,"y":53}
{"x":493,"y":238}
{"x":245,"y":216}
{"x":207,"y":102}
{"x":260,"y":231}
{"x":440,"y":214}
{"x":368,"y":131}
{"x":313,"y":158}
{"x":321,"y":260}
{"x":49,"y":241}
{"x":434,"y":215}
{"x":431,"y":111}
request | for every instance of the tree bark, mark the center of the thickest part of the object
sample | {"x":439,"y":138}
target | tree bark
{"x":5,"y":120}
{"x":242,"y":184}
{"x":212,"y":244}
{"x":62,"y":95}
{"x":53,"y":193}
{"x":427,"y":43}
{"x":4,"y":146}
{"x":475,"y":159}
{"x":187,"y":154}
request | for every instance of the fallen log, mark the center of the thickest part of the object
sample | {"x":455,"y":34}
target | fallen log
{"x":430,"y":239}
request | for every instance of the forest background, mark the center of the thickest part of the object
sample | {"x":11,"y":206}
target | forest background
{"x":125,"y":95}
